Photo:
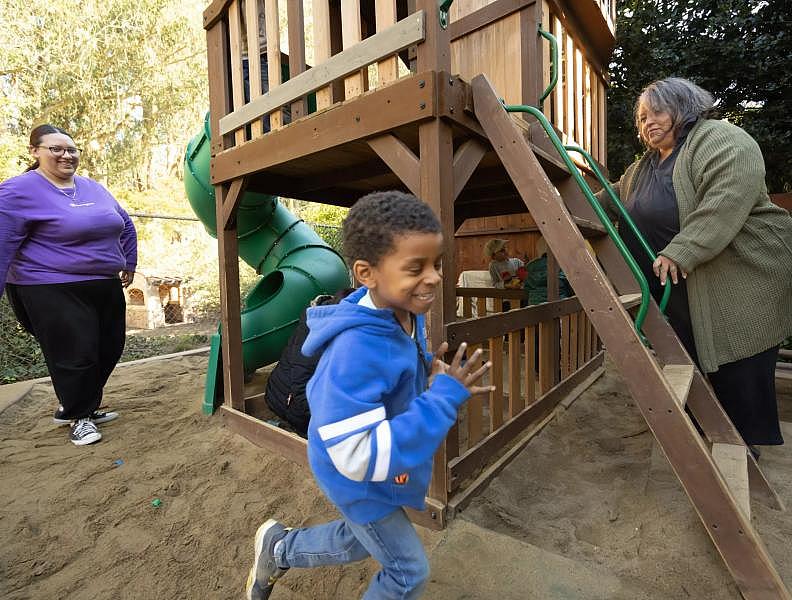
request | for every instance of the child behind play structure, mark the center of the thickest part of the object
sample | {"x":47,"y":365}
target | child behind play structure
{"x":380,"y":404}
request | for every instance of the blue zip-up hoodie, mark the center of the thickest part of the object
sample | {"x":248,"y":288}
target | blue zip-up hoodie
{"x":374,"y":424}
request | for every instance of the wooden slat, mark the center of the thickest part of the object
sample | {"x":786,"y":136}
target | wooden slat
{"x":388,"y":69}
{"x":579,"y":97}
{"x":559,"y":99}
{"x":679,"y":377}
{"x":350,"y":27}
{"x":595,"y":130}
{"x":231,"y":202}
{"x":274,"y":74}
{"x":467,"y":308}
{"x":587,"y":341}
{"x":496,"y":378}
{"x":406,"y":32}
{"x":237,"y":81}
{"x":546,"y":365}
{"x":516,"y":400}
{"x":399,"y":158}
{"x":587,"y":126}
{"x":603,"y":125}
{"x":475,"y":410}
{"x":296,"y":52}
{"x":322,"y":48}
{"x":583,"y":324}
{"x":732,"y":461}
{"x":254,"y":60}
{"x":487,"y":14}
{"x":466,"y":158}
{"x":547,"y":107}
{"x":218,"y":71}
{"x":566,"y":363}
{"x":574,"y":360}
{"x":569,"y":88}
{"x":529,"y":365}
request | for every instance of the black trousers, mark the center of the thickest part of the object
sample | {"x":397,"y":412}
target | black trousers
{"x":81,"y":329}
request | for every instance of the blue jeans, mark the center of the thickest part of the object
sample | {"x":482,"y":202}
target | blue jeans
{"x":392,"y":541}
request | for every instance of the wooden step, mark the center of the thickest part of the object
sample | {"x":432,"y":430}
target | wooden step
{"x":679,"y":377}
{"x":732,"y":462}
{"x":589,"y":229}
{"x":630,"y":300}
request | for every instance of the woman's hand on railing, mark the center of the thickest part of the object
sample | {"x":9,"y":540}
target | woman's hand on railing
{"x":462,"y":370}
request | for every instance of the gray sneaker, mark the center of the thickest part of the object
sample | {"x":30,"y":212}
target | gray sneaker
{"x":84,"y":432}
{"x":265,"y":572}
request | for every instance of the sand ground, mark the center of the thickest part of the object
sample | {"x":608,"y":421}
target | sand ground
{"x":589,"y":509}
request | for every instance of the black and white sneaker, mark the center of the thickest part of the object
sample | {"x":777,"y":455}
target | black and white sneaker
{"x":84,"y":432}
{"x":265,"y":572}
{"x":97,"y":417}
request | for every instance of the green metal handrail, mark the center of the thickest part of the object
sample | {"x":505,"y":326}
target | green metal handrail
{"x":625,"y":216}
{"x":600,"y":212}
{"x":553,"y":63}
{"x":445,"y":6}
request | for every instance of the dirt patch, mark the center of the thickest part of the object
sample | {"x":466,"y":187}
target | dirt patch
{"x":587,"y":510}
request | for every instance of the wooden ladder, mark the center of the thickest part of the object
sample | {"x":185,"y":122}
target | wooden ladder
{"x":716,"y":472}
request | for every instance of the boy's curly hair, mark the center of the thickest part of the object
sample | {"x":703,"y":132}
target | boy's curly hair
{"x":377,"y":218}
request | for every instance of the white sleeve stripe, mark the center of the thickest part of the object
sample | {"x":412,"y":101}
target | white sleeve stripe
{"x":351,"y":456}
{"x":331,"y":430}
{"x":382,"y":466}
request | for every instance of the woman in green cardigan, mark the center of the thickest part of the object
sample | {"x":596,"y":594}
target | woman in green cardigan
{"x":698,"y":195}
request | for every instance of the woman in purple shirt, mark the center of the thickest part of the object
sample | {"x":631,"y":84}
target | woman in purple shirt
{"x":66,"y":248}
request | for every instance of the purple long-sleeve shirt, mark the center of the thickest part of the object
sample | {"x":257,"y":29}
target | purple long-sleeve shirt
{"x":49,"y":235}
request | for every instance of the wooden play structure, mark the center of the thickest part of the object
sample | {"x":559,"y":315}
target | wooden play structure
{"x":410,"y":95}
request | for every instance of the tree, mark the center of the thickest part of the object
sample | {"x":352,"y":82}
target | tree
{"x":124,"y":76}
{"x":739,"y":50}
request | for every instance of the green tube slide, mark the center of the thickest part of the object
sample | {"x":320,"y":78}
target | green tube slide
{"x":295,"y":263}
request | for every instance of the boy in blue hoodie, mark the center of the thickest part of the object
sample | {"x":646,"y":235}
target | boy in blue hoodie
{"x":380,"y":404}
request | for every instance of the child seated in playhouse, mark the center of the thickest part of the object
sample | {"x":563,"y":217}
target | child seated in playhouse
{"x":506,"y":273}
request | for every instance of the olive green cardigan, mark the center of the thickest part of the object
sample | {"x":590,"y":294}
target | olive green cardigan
{"x":735,"y":245}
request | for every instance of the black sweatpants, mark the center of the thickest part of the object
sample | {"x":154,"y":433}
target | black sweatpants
{"x":81,"y":329}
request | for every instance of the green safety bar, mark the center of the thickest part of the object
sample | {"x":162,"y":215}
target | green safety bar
{"x":445,"y":5}
{"x":553,"y":63}
{"x":600,"y":212}
{"x":625,"y":216}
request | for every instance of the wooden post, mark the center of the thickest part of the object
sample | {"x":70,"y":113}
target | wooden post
{"x":296,"y":51}
{"x":437,"y":190}
{"x":217,"y":38}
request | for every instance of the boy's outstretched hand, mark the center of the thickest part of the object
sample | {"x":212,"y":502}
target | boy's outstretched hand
{"x":463,"y":373}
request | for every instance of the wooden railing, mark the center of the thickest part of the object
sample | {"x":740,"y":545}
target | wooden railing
{"x":577,"y":105}
{"x":351,"y":56}
{"x":533,"y":350}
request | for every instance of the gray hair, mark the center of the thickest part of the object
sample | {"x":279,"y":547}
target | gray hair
{"x":682,"y":99}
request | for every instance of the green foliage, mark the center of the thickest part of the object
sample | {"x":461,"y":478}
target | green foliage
{"x":739,"y":50}
{"x":20,"y":355}
{"x":123,"y":76}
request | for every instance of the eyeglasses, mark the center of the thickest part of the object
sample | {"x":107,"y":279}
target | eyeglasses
{"x":59,"y":150}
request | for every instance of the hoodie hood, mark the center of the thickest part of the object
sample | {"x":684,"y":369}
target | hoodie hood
{"x":326,"y":322}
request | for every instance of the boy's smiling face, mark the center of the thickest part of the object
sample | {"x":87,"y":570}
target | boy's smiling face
{"x":406,"y":279}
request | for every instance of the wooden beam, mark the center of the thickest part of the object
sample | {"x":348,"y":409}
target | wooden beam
{"x":466,"y":158}
{"x":410,"y":99}
{"x":237,"y":81}
{"x":400,"y":159}
{"x":214,"y":13}
{"x":476,"y":331}
{"x":219,"y":90}
{"x":732,"y":461}
{"x":405,"y":33}
{"x":231,"y":202}
{"x":279,"y":441}
{"x":679,"y":377}
{"x":494,"y":11}
{"x":254,"y":60}
{"x":230,"y":304}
